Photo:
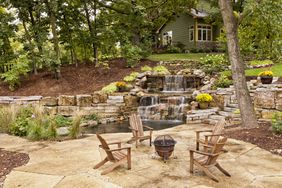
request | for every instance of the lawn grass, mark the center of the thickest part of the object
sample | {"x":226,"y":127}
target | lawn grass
{"x":276,"y":69}
{"x":178,"y":56}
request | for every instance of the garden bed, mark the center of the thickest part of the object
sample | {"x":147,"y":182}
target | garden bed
{"x":261,"y":136}
{"x":10,"y":160}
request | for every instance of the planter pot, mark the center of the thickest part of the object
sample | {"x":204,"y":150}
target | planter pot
{"x":266,"y":79}
{"x":204,"y":105}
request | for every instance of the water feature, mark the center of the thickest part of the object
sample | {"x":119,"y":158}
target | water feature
{"x":174,"y":83}
{"x":162,"y":108}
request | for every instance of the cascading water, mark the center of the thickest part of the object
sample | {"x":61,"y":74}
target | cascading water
{"x":167,"y":108}
{"x":174,"y":83}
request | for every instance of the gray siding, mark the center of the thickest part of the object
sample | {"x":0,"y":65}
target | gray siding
{"x":179,"y":27}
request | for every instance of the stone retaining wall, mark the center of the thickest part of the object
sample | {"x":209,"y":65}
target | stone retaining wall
{"x":267,"y":101}
{"x":111,"y":107}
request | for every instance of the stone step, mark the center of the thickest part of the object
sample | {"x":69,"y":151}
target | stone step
{"x":225,"y":114}
{"x":216,"y":117}
{"x":229,"y":109}
{"x":233,"y":105}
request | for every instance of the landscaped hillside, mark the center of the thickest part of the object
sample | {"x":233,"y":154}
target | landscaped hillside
{"x":85,"y":78}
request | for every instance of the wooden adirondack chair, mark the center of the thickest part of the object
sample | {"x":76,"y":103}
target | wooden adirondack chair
{"x":113,"y":155}
{"x":208,"y":159}
{"x":137,"y":129}
{"x":211,"y":138}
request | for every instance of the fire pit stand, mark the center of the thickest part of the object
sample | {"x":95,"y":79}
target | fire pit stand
{"x":164,"y":146}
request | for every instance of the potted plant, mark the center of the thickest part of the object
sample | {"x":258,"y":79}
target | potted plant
{"x":266,"y":77}
{"x":204,"y":100}
{"x":121,"y":86}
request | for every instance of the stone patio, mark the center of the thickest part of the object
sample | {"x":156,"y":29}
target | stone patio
{"x":70,"y":164}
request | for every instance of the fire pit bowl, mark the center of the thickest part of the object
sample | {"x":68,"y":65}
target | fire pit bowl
{"x":164,"y":146}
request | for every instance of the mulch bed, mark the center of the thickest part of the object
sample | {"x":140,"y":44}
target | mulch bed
{"x":261,"y":136}
{"x":10,"y":160}
{"x":84,"y":79}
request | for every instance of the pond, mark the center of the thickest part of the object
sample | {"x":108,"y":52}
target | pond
{"x":123,"y":127}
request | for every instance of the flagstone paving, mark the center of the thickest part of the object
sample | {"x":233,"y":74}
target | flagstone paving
{"x":70,"y":164}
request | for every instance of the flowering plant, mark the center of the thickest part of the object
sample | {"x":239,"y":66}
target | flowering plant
{"x":266,"y":73}
{"x":120,"y":84}
{"x":204,"y":97}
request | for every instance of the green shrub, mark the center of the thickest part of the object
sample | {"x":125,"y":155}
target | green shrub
{"x":277,"y":123}
{"x":146,"y":68}
{"x":131,"y":77}
{"x":35,"y":130}
{"x":75,"y":127}
{"x":213,"y":64}
{"x":161,"y":69}
{"x":93,"y":117}
{"x":173,"y":49}
{"x":19,"y":68}
{"x":132,"y":53}
{"x":62,"y":121}
{"x":20,"y":126}
{"x":111,"y":88}
{"x":261,"y":62}
{"x":222,"y":82}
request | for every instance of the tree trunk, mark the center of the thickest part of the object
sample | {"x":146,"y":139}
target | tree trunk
{"x":91,"y":30}
{"x":57,"y":66}
{"x":248,"y":115}
{"x":32,"y":50}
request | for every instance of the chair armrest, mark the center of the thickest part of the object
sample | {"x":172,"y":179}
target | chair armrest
{"x":201,"y":152}
{"x":211,"y":135}
{"x":209,"y":130}
{"x":150,"y":128}
{"x":117,"y":142}
{"x":118,"y":149}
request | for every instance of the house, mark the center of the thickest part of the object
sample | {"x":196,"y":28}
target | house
{"x":189,"y":30}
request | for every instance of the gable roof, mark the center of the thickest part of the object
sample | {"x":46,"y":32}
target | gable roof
{"x":193,"y":12}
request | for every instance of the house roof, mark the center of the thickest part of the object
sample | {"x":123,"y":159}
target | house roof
{"x":198,"y":13}
{"x":193,"y":12}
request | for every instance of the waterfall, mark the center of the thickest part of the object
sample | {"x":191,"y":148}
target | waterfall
{"x":174,"y":83}
{"x":156,"y":108}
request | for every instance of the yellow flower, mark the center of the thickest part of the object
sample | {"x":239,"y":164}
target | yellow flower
{"x":266,"y":73}
{"x":120,"y":84}
{"x":204,"y":97}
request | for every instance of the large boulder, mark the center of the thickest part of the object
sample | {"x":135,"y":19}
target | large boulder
{"x":49,"y":101}
{"x":66,"y":100}
{"x":67,"y":110}
{"x":84,"y":100}
{"x":265,"y":99}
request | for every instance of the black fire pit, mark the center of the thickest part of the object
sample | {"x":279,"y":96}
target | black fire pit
{"x":164,"y":146}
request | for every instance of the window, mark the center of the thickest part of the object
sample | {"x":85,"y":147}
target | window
{"x":167,"y":38}
{"x":204,"y":33}
{"x":191,"y":33}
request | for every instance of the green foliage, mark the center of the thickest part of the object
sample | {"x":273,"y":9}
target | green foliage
{"x":62,"y":121}
{"x":75,"y":127}
{"x":173,"y":49}
{"x":213,"y":64}
{"x":261,"y":62}
{"x":132,"y":53}
{"x":146,"y":68}
{"x":12,"y":77}
{"x":204,"y":97}
{"x":111,"y":88}
{"x":21,"y":125}
{"x":131,"y":77}
{"x":277,"y":123}
{"x":7,"y":117}
{"x":161,"y":69}
{"x":222,"y":82}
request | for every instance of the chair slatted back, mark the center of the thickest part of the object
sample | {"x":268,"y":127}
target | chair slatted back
{"x":106,"y":147}
{"x":216,"y":149}
{"x":136,"y":124}
{"x":218,"y":129}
